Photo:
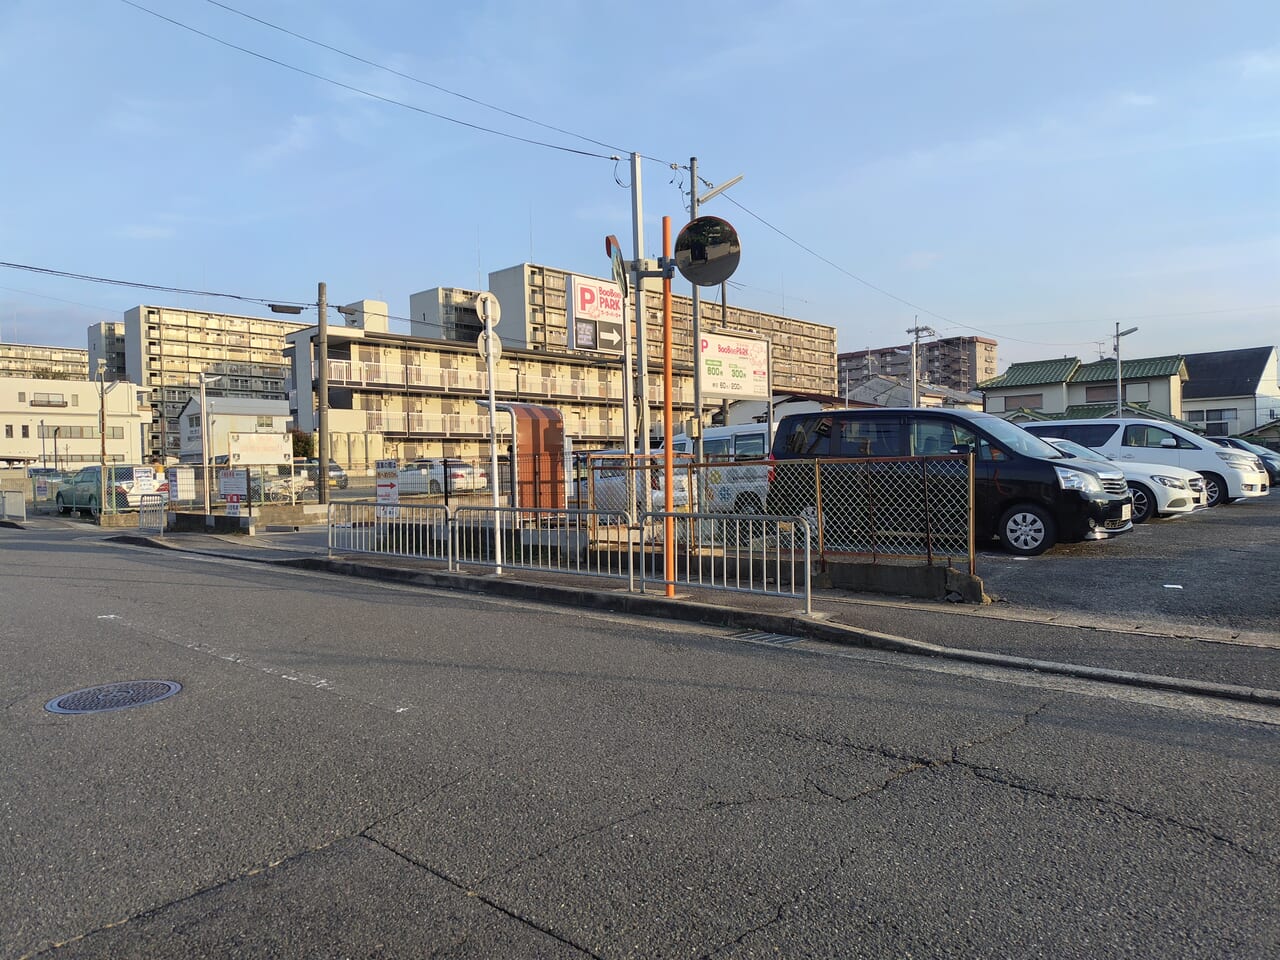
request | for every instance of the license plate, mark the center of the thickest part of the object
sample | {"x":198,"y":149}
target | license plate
{"x":1124,"y":512}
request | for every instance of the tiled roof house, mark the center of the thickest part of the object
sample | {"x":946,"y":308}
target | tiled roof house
{"x":1067,"y":388}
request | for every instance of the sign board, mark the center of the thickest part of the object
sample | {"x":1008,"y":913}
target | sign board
{"x":734,"y":367}
{"x":488,"y":309}
{"x":233,"y":482}
{"x":233,"y":504}
{"x":144,"y":480}
{"x":482,"y":346}
{"x":387,"y":480}
{"x":596,"y":315}
{"x":260,"y":449}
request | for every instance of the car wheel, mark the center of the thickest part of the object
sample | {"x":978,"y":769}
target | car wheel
{"x":1215,"y":489}
{"x":1144,"y":503}
{"x":92,"y":509}
{"x":62,"y":506}
{"x":1027,"y":530}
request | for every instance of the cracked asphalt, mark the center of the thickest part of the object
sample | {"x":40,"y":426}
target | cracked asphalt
{"x":363,"y":769}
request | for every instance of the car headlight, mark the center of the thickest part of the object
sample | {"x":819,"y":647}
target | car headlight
{"x":1239,"y":461}
{"x":1076,"y":480}
{"x":1173,"y":482}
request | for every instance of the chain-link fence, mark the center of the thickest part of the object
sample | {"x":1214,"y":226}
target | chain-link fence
{"x":902,"y":507}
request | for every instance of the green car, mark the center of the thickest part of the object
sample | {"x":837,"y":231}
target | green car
{"x":82,"y":491}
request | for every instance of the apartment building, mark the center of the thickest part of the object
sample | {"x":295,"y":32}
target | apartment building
{"x":107,"y":346}
{"x":168,"y":348}
{"x":398,"y":396}
{"x":50,"y":363}
{"x":958,"y":363}
{"x":55,"y":423}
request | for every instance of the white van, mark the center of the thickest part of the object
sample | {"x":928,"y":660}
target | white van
{"x":1229,"y":474}
{"x":734,"y":474}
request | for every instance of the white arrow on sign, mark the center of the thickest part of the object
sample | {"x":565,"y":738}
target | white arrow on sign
{"x":610,"y":335}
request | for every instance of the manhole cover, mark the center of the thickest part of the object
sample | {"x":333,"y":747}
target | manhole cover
{"x":113,"y":696}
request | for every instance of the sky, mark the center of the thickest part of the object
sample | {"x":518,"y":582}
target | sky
{"x":1033,"y":172}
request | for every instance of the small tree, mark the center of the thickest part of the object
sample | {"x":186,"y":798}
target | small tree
{"x":304,"y":445}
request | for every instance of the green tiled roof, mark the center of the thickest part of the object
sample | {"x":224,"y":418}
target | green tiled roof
{"x":1139,"y":368}
{"x":1096,"y":411}
{"x":1033,"y":374}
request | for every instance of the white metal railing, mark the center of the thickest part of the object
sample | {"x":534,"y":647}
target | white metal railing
{"x":586,"y":542}
{"x":390,"y":530}
{"x":752,"y":553}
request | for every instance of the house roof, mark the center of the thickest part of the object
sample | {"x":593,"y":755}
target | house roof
{"x":1033,"y":374}
{"x":1226,"y":373}
{"x":1143,"y":368}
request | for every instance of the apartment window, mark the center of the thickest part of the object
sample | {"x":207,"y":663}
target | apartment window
{"x":26,"y":432}
{"x":193,"y":420}
{"x":266,"y":422}
{"x":1101,"y":394}
{"x":1220,"y":423}
{"x":1032,"y":401}
{"x":22,"y":396}
{"x":8,"y":431}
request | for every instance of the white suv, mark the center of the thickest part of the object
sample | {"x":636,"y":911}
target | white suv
{"x":1229,"y":474}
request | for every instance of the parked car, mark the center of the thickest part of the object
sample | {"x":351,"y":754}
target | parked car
{"x":1158,"y":490}
{"x":734,"y":476}
{"x":610,"y":482}
{"x":439,"y":476}
{"x":311,"y":467}
{"x":1270,"y":459}
{"x":1228,"y":474}
{"x":83,"y":490}
{"x":1024,"y":493}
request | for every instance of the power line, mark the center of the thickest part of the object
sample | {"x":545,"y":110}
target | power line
{"x":368,"y":93}
{"x":413,"y":79}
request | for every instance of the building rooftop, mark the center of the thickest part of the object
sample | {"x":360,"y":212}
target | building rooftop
{"x":1034,"y":373}
{"x":1226,"y":373}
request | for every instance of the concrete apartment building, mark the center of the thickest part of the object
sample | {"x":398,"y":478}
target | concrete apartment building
{"x":401,"y":396}
{"x":51,"y":363}
{"x":55,"y":423}
{"x":957,"y":363}
{"x":166,"y":349}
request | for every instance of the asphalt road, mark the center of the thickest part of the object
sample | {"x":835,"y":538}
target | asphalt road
{"x":356,"y":769}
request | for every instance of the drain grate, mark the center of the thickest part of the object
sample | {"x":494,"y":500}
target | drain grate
{"x":113,"y":696}
{"x":773,"y":639}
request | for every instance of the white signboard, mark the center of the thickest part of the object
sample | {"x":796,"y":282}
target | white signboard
{"x":595,"y":315}
{"x":260,"y":449}
{"x":387,"y":478}
{"x":144,"y":480}
{"x":734,"y":367}
{"x":233,"y":482}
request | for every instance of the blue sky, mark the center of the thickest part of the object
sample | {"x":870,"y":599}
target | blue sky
{"x":1029,"y":171}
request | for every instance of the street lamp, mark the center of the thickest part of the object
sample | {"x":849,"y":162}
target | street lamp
{"x":204,"y":441}
{"x":1119,"y":383}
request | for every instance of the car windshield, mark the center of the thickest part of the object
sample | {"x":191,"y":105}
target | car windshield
{"x":1017,"y":439}
{"x":1073,"y":449}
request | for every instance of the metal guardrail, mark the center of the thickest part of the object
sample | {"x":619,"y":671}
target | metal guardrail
{"x":751,"y":553}
{"x":152,"y":513}
{"x":755,"y":553}
{"x":594,"y":543}
{"x":13,"y":505}
{"x":407,"y":530}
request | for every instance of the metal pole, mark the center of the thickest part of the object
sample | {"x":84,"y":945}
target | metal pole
{"x":1119,"y":385}
{"x":322,"y":385}
{"x":696,"y":300}
{"x":43,"y":461}
{"x":668,"y":464}
{"x":102,"y":435}
{"x":204,"y":447}
{"x":641,"y":387}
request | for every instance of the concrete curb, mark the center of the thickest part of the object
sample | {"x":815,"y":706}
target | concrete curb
{"x":644,"y":605}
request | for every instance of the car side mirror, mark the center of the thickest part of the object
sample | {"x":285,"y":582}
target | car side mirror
{"x":1168,"y":442}
{"x":961,"y":448}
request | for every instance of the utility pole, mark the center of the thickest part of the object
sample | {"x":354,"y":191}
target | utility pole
{"x":102,"y":435}
{"x":1119,"y":382}
{"x":917,"y":331}
{"x":322,"y":386}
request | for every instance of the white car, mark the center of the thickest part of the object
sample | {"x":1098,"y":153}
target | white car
{"x":437,"y":476}
{"x":609,"y":481}
{"x":1158,"y":490}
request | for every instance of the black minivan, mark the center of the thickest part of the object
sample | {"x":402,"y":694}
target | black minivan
{"x":1025,"y":492}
